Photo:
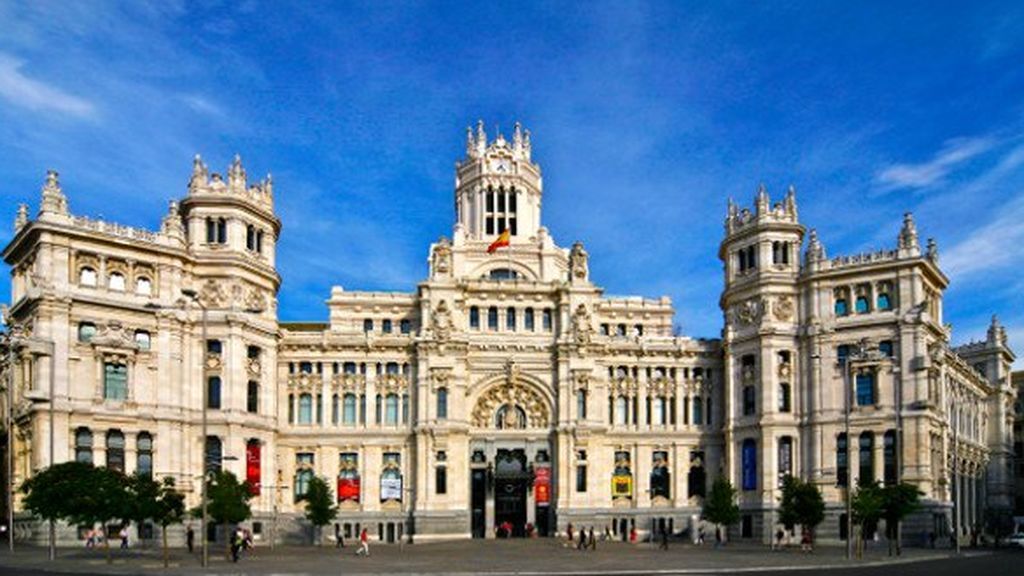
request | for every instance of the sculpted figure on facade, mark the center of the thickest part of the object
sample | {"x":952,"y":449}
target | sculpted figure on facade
{"x":582,"y":328}
{"x":441,"y":321}
{"x":783,"y":308}
{"x":578,"y":263}
{"x":442,"y":259}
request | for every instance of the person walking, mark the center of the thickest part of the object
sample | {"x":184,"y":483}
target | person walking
{"x":236,"y":545}
{"x":124,"y":537}
{"x":581,"y":544}
{"x":190,"y":538}
{"x":777,"y":543}
{"x":718,"y":537}
{"x":700,"y":536}
{"x":568,"y":533}
{"x":607,"y":536}
{"x":339,"y":538}
{"x":591,"y":540}
{"x":364,"y":544}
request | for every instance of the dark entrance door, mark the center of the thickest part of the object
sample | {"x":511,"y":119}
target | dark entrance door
{"x":478,"y":503}
{"x":511,"y":479}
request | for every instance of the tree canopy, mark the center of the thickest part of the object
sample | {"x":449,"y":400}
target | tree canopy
{"x":720,"y":506}
{"x":320,"y":510}
{"x":802,"y":504}
{"x":227,"y":499}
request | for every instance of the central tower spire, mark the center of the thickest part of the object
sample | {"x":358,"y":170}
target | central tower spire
{"x":498,"y":187}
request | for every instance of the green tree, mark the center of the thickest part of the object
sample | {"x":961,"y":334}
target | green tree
{"x":227,"y":502}
{"x":319,"y":509}
{"x":80,"y":494}
{"x":143,"y":492}
{"x":899,"y":501}
{"x":720,"y":506}
{"x":801,"y":505}
{"x":868,"y":505}
{"x":170,"y":509}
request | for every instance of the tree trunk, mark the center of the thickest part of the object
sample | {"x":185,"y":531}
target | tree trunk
{"x":163,"y":530}
{"x":899,"y":539}
{"x":106,"y":544}
{"x":227,"y":540}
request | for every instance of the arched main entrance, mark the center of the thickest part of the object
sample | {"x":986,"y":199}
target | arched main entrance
{"x":512,"y":481}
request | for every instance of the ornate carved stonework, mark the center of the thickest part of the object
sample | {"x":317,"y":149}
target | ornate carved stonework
{"x":581,"y":326}
{"x":441,"y":321}
{"x":748,"y":312}
{"x":442,"y":258}
{"x":783,"y":308}
{"x":440,"y":377}
{"x":578,"y":262}
{"x":520,"y":407}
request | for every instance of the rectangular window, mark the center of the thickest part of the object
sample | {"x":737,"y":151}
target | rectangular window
{"x":546,"y":322}
{"x":865,"y":389}
{"x":510,"y":319}
{"x":385,"y":326}
{"x":252,"y":401}
{"x":489,"y":225}
{"x":405,"y":326}
{"x":528,"y":319}
{"x":581,"y":477}
{"x":441,"y":480}
{"x":115,"y":381}
{"x":492,"y":318}
{"x":368,"y":325}
{"x":885,"y":348}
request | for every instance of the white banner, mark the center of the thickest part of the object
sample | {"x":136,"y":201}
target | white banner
{"x":391,"y":489}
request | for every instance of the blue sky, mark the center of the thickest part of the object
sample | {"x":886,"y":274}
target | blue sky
{"x":646,"y":118}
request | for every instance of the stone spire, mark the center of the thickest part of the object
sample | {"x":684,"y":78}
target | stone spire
{"x":171,"y":224}
{"x":526,"y":144}
{"x":236,"y":175}
{"x":517,"y":139}
{"x":21,"y":220}
{"x":481,"y":138}
{"x":996,"y":332}
{"x":933,"y":250}
{"x":815,"y":249}
{"x":200,"y":174}
{"x":761,"y":200}
{"x":908,"y":235}
{"x":790,"y":202}
{"x":470,"y":143}
{"x":54,"y":201}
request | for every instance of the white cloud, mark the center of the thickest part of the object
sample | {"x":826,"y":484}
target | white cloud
{"x":953,"y":153}
{"x":20,"y":90}
{"x":997,"y":244}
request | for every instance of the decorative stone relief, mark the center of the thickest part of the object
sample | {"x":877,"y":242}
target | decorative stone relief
{"x":441,"y":321}
{"x":442,"y":258}
{"x":748,"y":312}
{"x":578,"y":262}
{"x":511,"y":405}
{"x":783,"y":308}
{"x":581,"y":326}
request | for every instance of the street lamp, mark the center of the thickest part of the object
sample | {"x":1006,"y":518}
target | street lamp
{"x":194,"y":297}
{"x":859,"y":353}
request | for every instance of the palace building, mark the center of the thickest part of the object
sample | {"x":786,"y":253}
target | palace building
{"x":506,"y":388}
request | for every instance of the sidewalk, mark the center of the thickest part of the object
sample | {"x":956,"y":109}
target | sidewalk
{"x":493,"y":557}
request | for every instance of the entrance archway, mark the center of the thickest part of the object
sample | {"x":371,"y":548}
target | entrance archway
{"x":511,"y":482}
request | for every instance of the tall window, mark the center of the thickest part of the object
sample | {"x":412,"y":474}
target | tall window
{"x":87,"y":276}
{"x":335,"y":409}
{"x":115,"y":381}
{"x":581,"y":477}
{"x":500,"y":210}
{"x":214,"y":347}
{"x":698,"y":411}
{"x":622,"y":410}
{"x":749,"y":452}
{"x":291,"y":408}
{"x":661,"y":477}
{"x":866,"y":458}
{"x":252,"y":397}
{"x":385,"y":326}
{"x":250,"y":237}
{"x":885,"y":348}
{"x":441,"y":480}
{"x":492,"y":318}
{"x":659,"y":411}
{"x":842,"y":304}
{"x":784,"y":398}
{"x":528,"y":320}
{"x":780,"y":252}
{"x":305,"y":408}
{"x":862,"y":305}
{"x":581,"y":404}
{"x":213,"y":392}
{"x":442,"y":403}
{"x":216,"y":231}
{"x":546,"y":320}
{"x":214,"y":454}
{"x":865,"y":389}
{"x":474,"y":318}
{"x":785,"y":458}
{"x":303,"y":474}
{"x":749,"y":400}
{"x":696,"y":479}
{"x":368,"y":325}
{"x":889,"y":457}
{"x":510,"y":318}
{"x":404,"y":326}
{"x":83,"y":445}
{"x":348,"y":415}
{"x":842,"y":460}
{"x":391,"y":409}
{"x":883,"y":301}
{"x":144,"y":464}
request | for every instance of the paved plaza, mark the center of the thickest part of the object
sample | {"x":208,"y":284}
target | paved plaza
{"x":521,"y":557}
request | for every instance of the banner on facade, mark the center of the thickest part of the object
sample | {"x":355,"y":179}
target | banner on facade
{"x":542,"y":486}
{"x":348,"y":489}
{"x":622,"y":486}
{"x":391,"y":489}
{"x":252,"y":467}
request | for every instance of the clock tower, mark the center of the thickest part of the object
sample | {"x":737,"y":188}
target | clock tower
{"x":497,"y":187}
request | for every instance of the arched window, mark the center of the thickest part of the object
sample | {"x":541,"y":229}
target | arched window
{"x":696,"y":480}
{"x":303,"y":474}
{"x":348,"y":414}
{"x":391,"y":368}
{"x":116,"y":281}
{"x":86,"y":331}
{"x":474,"y":318}
{"x":213,"y":392}
{"x":842,"y":303}
{"x":222,"y":231}
{"x":442,"y":403}
{"x":749,"y":400}
{"x":749,"y":452}
{"x":259,"y":241}
{"x":889,"y":448}
{"x":391,"y":409}
{"x":386,"y":326}
{"x":143,"y":340}
{"x":581,"y":404}
{"x":528,"y":320}
{"x":661,"y":477}
{"x":865,"y":389}
{"x":335,"y":409}
{"x":214,"y":454}
{"x":87,"y":276}
{"x":252,"y":397}
{"x":842,"y":460}
{"x":305,"y":408}
{"x":144,"y":464}
{"x":884,"y":301}
{"x":866,"y":458}
{"x":621,"y":410}
{"x":510,"y":319}
{"x":492,"y":318}
{"x":546,"y":320}
{"x":115,"y":450}
{"x":785,"y":458}
{"x":784,"y":398}
{"x":503,"y":274}
{"x":698,"y":411}
{"x":211,"y":231}
{"x":83,"y":445}
{"x":143,"y":286}
{"x":250,"y":237}
{"x":115,"y":381}
{"x":862,"y":305}
{"x":659,"y":411}
{"x":391,"y":478}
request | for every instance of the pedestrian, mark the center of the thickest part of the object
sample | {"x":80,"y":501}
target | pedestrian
{"x":90,"y":542}
{"x":124,"y":537}
{"x":339,"y":538}
{"x":700,"y":536}
{"x":582,"y":543}
{"x":805,"y":541}
{"x":236,"y":545}
{"x":190,"y":538}
{"x":568,"y":533}
{"x":364,"y":544}
{"x":777,"y":545}
{"x":664,"y":539}
{"x":607,"y":533}
{"x":591,"y":541}
{"x":718,"y":537}
{"x":632,"y":534}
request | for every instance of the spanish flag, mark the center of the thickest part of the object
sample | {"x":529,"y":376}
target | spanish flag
{"x":501,"y":241}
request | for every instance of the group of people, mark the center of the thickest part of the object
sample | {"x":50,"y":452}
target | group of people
{"x":585,"y":540}
{"x":241,"y":540}
{"x":95,"y":536}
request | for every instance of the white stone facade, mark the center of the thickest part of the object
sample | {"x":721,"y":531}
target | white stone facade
{"x":504,"y":379}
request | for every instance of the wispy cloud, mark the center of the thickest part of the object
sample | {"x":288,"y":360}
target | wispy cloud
{"x":954,"y":152}
{"x":995,"y":245}
{"x":20,"y":90}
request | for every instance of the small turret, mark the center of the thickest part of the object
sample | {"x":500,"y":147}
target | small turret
{"x":933,"y":250}
{"x":481,"y":138}
{"x":171,"y":225}
{"x":996,"y":332}
{"x":762,"y":201}
{"x":470,"y":143}
{"x":908,"y":236}
{"x":236,"y":175}
{"x":790,"y":202}
{"x":200,"y":174}
{"x":54,"y":201}
{"x":815,"y":249}
{"x":21,"y":220}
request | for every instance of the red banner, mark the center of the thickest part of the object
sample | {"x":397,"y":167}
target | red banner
{"x":252,"y":467}
{"x":348,"y":489}
{"x":542,"y":486}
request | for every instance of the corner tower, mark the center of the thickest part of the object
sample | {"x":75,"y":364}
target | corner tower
{"x":497,"y":187}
